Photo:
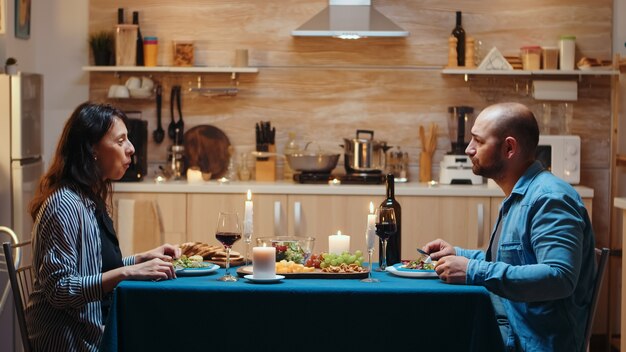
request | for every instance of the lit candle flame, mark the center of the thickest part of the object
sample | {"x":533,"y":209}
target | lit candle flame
{"x":371,"y":208}
{"x":249,"y":195}
{"x":338,"y":233}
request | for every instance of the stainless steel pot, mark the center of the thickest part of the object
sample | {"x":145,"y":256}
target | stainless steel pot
{"x":312,"y":162}
{"x":364,"y":154}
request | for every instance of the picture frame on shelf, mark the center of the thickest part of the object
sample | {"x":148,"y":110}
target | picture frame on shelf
{"x":22,"y":18}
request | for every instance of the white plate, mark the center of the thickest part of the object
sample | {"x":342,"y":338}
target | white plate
{"x":272,"y":279}
{"x":197,"y":271}
{"x":410,"y":273}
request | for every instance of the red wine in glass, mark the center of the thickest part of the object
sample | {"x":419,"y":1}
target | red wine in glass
{"x":228,"y":232}
{"x":228,"y":238}
{"x":385,"y":230}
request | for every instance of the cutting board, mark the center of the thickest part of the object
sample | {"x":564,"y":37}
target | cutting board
{"x":206,"y":147}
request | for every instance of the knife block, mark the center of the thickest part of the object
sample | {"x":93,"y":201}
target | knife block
{"x":266,"y":169}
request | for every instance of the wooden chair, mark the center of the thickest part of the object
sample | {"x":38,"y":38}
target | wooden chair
{"x":21,"y":278}
{"x":6,"y":234}
{"x":602,"y":256}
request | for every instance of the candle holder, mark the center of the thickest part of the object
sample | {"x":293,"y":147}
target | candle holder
{"x":247,"y":237}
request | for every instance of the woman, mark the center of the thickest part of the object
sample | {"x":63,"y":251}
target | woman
{"x":76,"y":254}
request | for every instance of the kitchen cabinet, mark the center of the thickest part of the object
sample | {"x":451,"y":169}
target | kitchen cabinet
{"x":172,"y":210}
{"x":462,"y":221}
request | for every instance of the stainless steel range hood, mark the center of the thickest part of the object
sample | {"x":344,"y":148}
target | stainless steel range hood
{"x":350,"y":19}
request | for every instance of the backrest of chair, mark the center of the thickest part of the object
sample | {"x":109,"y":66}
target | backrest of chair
{"x":7,"y":235}
{"x":602,"y":259}
{"x":21,"y":279}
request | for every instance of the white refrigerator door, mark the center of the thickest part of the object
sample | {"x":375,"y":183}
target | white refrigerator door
{"x":25,"y":179}
{"x":26,"y":115}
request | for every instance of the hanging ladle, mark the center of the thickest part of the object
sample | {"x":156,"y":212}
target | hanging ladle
{"x":159,"y":133}
{"x":171,"y":128}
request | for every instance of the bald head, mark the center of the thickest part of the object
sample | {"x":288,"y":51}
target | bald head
{"x":514,"y":120}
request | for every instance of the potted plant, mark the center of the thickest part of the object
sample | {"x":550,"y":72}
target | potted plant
{"x":101,"y":44}
{"x":10,"y":66}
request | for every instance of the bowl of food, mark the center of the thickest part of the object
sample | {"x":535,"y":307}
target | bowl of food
{"x":289,"y":248}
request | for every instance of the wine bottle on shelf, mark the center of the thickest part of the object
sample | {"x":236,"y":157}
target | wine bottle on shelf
{"x":139,"y":57}
{"x":395,"y":241}
{"x":459,"y":33}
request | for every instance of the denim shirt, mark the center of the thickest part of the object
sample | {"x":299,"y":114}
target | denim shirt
{"x":544,"y":264}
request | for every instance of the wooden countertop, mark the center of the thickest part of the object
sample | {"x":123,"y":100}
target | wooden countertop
{"x":284,"y":187}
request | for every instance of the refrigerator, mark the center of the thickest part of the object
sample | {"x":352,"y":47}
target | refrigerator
{"x":21,"y":166}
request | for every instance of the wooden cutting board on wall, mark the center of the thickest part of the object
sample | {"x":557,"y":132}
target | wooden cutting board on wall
{"x":206,"y":147}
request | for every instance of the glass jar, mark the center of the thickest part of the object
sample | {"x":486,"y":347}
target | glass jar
{"x":531,"y":57}
{"x":183,"y":53}
{"x":177,"y":161}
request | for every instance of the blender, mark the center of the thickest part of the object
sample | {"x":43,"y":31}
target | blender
{"x":456,"y":167}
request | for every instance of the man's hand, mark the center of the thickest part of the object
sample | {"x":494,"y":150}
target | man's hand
{"x":452,"y":269}
{"x":438,"y":249}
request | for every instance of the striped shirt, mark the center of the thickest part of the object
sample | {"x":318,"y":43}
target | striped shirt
{"x":64,"y":309}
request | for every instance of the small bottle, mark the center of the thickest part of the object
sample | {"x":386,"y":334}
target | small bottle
{"x":395,"y":241}
{"x":459,"y":33}
{"x":139,"y":56}
{"x":244,"y":171}
{"x":290,"y":148}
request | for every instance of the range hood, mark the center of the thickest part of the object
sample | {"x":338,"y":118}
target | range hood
{"x":350,"y":19}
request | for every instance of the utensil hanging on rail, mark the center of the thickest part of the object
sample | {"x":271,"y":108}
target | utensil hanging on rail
{"x":159,"y":133}
{"x":171,"y":128}
{"x":179,"y":124}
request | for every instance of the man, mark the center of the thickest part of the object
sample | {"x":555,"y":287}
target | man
{"x":540,"y":263}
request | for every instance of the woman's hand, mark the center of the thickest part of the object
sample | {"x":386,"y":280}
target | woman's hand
{"x":154,"y":269}
{"x":166,"y":252}
{"x":438,"y":249}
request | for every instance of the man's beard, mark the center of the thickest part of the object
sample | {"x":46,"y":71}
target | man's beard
{"x":493,"y":171}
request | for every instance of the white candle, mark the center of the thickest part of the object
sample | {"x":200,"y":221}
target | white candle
{"x":264,"y":262}
{"x":370,"y":234}
{"x":338,"y":243}
{"x":194,"y":175}
{"x":247,"y":216}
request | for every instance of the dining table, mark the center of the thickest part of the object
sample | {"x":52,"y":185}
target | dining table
{"x":200,"y":313}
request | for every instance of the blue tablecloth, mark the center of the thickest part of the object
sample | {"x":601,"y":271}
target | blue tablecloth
{"x":203,"y":314}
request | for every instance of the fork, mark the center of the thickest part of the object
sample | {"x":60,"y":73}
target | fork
{"x":428,"y":258}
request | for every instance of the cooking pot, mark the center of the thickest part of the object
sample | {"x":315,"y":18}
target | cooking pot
{"x":364,"y":154}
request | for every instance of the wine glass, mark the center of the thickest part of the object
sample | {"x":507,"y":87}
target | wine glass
{"x":228,"y":232}
{"x":370,"y":239}
{"x":385,"y":227}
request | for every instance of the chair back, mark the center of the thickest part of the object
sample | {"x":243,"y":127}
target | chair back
{"x":602,"y":259}
{"x":6,"y":234}
{"x":21,"y":278}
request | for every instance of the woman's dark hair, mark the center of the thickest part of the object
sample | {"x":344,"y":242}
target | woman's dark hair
{"x":73,"y":163}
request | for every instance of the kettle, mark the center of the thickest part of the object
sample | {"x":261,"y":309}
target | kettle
{"x":364,"y":155}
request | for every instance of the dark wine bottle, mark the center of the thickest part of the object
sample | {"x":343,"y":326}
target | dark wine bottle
{"x":395,"y":241}
{"x":459,"y":33}
{"x":139,"y":39}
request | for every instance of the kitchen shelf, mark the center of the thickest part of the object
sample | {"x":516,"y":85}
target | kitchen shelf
{"x":176,"y":69}
{"x":462,"y":71}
